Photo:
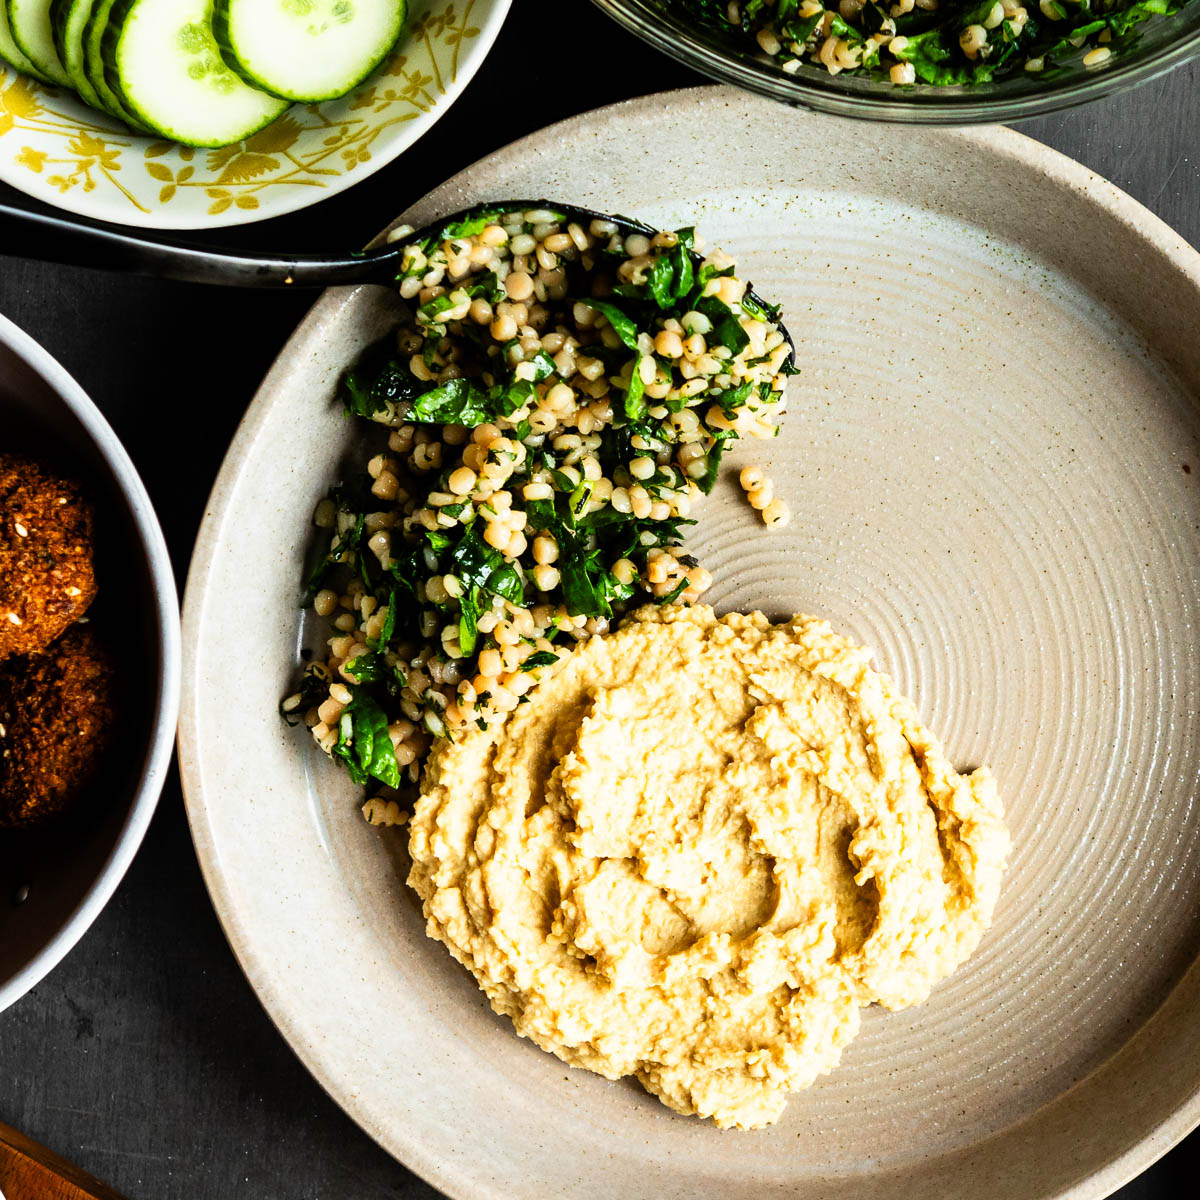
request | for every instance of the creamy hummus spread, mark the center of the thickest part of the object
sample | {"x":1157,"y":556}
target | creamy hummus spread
{"x":699,"y":849}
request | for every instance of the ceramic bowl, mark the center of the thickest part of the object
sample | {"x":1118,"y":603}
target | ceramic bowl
{"x":54,"y":882}
{"x":56,"y":149}
{"x":991,"y":455}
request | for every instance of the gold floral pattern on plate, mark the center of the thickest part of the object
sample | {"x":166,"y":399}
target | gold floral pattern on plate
{"x":55,"y":148}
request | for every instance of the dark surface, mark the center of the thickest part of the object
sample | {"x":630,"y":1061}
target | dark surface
{"x":145,"y":1056}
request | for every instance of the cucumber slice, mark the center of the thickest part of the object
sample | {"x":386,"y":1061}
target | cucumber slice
{"x":29,"y":22}
{"x":68,"y":18}
{"x":162,"y":59}
{"x":11,"y":53}
{"x":94,"y":26}
{"x":58,"y":10}
{"x":307,"y":50}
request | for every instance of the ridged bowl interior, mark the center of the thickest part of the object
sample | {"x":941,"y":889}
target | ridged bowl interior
{"x":991,"y":456}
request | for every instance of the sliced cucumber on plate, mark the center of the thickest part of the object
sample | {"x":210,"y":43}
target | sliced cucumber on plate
{"x":92,"y":36}
{"x":162,"y":60}
{"x":307,"y":50}
{"x":202,"y":72}
{"x":29,"y":23}
{"x":12,"y":54}
{"x":68,"y":19}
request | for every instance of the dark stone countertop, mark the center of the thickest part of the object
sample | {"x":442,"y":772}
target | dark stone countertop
{"x":145,"y":1057}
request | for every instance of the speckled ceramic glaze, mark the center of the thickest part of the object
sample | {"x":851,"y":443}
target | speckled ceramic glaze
{"x":992,"y":459}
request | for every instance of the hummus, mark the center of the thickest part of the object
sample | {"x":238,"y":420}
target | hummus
{"x":699,"y":850}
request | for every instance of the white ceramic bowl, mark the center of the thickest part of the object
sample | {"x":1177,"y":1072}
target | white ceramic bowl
{"x":72,"y":870}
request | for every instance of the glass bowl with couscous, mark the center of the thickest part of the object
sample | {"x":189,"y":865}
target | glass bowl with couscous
{"x":926,"y":61}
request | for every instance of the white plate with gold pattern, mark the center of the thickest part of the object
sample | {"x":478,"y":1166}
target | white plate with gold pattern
{"x":991,"y":455}
{"x":58,"y":150}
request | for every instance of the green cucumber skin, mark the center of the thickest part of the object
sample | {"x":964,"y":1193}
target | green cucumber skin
{"x":99,"y":11}
{"x":118,"y":12}
{"x":43,"y":72}
{"x":225,"y":43}
{"x":58,"y":25}
{"x":25,"y":68}
{"x":220,"y":28}
{"x":60,"y":14}
{"x":109,"y":44}
{"x":110,"y":99}
{"x":10,"y":52}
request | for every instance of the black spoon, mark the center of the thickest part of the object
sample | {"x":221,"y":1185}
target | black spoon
{"x":49,"y":238}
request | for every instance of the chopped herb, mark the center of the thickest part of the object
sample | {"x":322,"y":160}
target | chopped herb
{"x":543,"y":658}
{"x":313,"y":690}
{"x":379,"y":383}
{"x":635,"y":394}
{"x":622,"y":325}
{"x":457,"y":402}
{"x":1030,"y":38}
{"x":363,"y":743}
{"x":543,"y":366}
{"x":674,"y":593}
{"x":726,"y":329}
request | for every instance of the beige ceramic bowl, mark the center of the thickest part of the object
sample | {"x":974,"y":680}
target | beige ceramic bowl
{"x":992,"y":457}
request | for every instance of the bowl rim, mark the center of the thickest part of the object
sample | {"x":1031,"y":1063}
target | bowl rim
{"x":929,"y":106}
{"x":1123,"y":1164}
{"x":167,"y":636}
{"x":407,"y":134}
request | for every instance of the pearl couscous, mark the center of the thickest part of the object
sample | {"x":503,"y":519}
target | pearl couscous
{"x":940,"y":42}
{"x":555,"y":403}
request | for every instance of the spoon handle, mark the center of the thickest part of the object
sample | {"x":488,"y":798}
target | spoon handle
{"x":27,"y":1169}
{"x":49,"y":238}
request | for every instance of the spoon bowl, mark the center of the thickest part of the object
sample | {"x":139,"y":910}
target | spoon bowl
{"x":51,"y":238}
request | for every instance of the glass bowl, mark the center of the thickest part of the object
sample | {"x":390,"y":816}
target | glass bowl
{"x":733,"y":57}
